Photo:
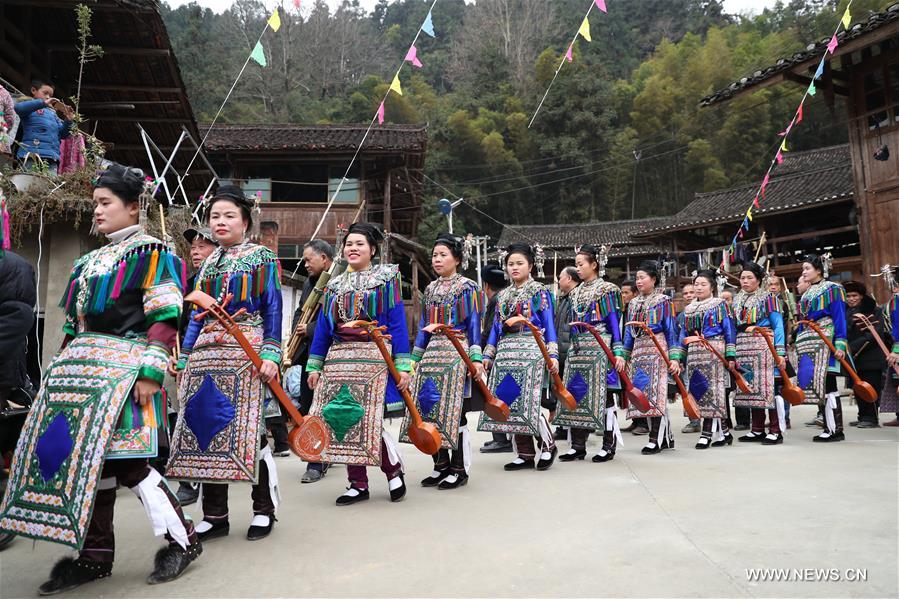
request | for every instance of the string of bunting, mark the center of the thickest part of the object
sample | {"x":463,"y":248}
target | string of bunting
{"x":782,"y":149}
{"x":584,"y":32}
{"x":396,"y":87}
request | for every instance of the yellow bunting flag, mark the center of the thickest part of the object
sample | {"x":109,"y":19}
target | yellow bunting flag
{"x":585,"y":30}
{"x":783,"y":146}
{"x":274,"y":21}
{"x":395,"y":86}
{"x":749,"y":214}
{"x":847,"y":18}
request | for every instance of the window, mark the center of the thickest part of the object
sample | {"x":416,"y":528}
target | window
{"x":290,"y":251}
{"x":301,"y":182}
{"x":879,"y":101}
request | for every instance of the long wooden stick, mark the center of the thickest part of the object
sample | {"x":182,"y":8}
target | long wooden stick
{"x":630,"y":391}
{"x":863,"y":390}
{"x":866,"y":322}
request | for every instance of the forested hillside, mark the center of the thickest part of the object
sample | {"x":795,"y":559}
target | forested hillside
{"x":620,"y":132}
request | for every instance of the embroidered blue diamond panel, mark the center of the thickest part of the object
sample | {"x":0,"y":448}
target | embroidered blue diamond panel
{"x":208,"y":412}
{"x":805,"y":374}
{"x":641,"y":379}
{"x":578,"y":387}
{"x":428,"y":397}
{"x":748,"y":374}
{"x":698,"y":384}
{"x":508,"y":390}
{"x":54,"y":446}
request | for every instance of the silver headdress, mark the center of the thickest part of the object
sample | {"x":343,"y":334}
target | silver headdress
{"x":255,"y":231}
{"x":887,"y":271}
{"x":539,"y":260}
{"x":467,"y":244}
{"x":146,"y":196}
{"x":826,"y":264}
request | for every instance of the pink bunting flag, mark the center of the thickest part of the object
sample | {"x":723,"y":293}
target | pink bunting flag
{"x":765,"y":181}
{"x":381,"y":113}
{"x":568,"y":55}
{"x":755,"y":202}
{"x":832,"y":44}
{"x":799,"y":115}
{"x":412,"y":56}
{"x":601,"y":5}
{"x":780,"y":157}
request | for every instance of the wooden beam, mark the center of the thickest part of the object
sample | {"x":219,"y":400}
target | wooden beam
{"x":138,"y":119}
{"x":807,"y":234}
{"x":130,"y":88}
{"x":117,"y":50}
{"x":806,"y":81}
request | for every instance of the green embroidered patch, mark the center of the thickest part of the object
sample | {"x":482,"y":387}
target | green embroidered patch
{"x":342,"y":413}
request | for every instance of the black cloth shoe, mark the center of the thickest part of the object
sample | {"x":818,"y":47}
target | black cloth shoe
{"x":188,"y":494}
{"x":775,"y":440}
{"x":547,"y":464}
{"x":70,"y":573}
{"x":703,"y":443}
{"x":172,"y":561}
{"x":435,"y":479}
{"x":449,"y":483}
{"x":254,"y":533}
{"x":654,"y":449}
{"x":361,"y":495}
{"x":525,"y":465}
{"x":610,"y":455}
{"x":219,"y":529}
{"x":400,"y":492}
{"x":579,"y":454}
{"x":497,"y":447}
{"x":826,"y":437}
{"x":751,"y":438}
{"x":727,"y":440}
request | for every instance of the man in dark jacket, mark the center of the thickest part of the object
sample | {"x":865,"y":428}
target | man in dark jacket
{"x":568,"y":280}
{"x":318,"y":255}
{"x":18,"y":295}
{"x":869,"y":360}
{"x":494,"y":281}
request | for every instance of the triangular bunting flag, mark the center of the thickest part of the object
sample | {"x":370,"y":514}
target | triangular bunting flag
{"x":584,"y":30}
{"x":568,"y":55}
{"x":412,"y":56}
{"x":755,"y":202}
{"x":832,"y":44}
{"x":296,"y":4}
{"x":395,"y":85}
{"x":811,"y":89}
{"x":381,"y":113}
{"x":779,"y":157}
{"x":799,"y":115}
{"x":847,"y":18}
{"x":258,"y":54}
{"x":601,"y":5}
{"x":783,"y":146}
{"x":749,"y":214}
{"x":820,"y":70}
{"x":274,"y":21}
{"x":428,"y":25}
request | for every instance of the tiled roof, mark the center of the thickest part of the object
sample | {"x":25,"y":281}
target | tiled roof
{"x":813,"y":51}
{"x":812,"y":177}
{"x":568,"y":236}
{"x":335,"y":138}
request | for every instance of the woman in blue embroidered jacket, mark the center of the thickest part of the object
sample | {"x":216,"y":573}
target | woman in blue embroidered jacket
{"x":706,"y":377}
{"x":596,"y":302}
{"x":520,"y":386}
{"x":825,"y":303}
{"x":457,"y":301}
{"x":647,"y":368}
{"x":95,"y":422}
{"x":890,"y":314}
{"x":364,"y":292}
{"x":220,"y":437}
{"x":756,"y":306}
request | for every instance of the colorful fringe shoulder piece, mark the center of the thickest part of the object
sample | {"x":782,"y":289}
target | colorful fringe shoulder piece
{"x":530,"y":298}
{"x":363,"y":294}
{"x":706,"y":313}
{"x":451,"y":301}
{"x":752,"y":308}
{"x":99,"y":277}
{"x":246,"y":270}
{"x":818,"y":297}
{"x":595,"y":300}
{"x":652,"y":309}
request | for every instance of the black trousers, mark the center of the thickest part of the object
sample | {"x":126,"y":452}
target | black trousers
{"x":867,"y":412}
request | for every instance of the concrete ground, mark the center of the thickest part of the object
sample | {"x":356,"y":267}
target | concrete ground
{"x":681,"y":524}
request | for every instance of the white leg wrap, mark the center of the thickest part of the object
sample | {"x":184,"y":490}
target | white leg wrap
{"x":159,"y":509}
{"x":829,"y":407}
{"x":273,"y":488}
{"x":393,"y":451}
{"x":612,"y":420}
{"x":663,"y":430}
{"x":465,"y":441}
{"x":781,"y":413}
{"x":546,"y":435}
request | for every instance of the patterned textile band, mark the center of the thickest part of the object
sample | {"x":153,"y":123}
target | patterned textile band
{"x":517,"y":379}
{"x":586,"y":369}
{"x":707,"y":379}
{"x":757,"y":363}
{"x":649,"y":374}
{"x":55,"y":473}
{"x":217,"y":435}
{"x":889,"y":401}
{"x":350,"y":399}
{"x":439,"y":389}
{"x":812,"y":359}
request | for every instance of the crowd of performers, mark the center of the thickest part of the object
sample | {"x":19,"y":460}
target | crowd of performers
{"x":100,"y":421}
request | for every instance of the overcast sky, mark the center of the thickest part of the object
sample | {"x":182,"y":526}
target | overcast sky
{"x":733,"y":6}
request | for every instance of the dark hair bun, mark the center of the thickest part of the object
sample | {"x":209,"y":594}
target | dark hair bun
{"x":454,"y":243}
{"x":650,"y":267}
{"x":815,"y":260}
{"x":520,"y":248}
{"x":235,"y":195}
{"x":492,"y":273}
{"x":124,"y":181}
{"x":709,"y":275}
{"x":754,"y":268}
{"x":371,"y":232}
{"x":588,"y":249}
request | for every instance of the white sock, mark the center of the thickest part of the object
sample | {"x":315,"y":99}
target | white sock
{"x":451,"y":479}
{"x":602,"y":453}
{"x":394,"y":483}
{"x":571,"y":451}
{"x":436,"y":474}
{"x":351,"y":492}
{"x":771,"y":436}
{"x":518,"y":461}
{"x":203,"y":526}
{"x":704,"y":440}
{"x":260,"y":520}
{"x":650,"y":445}
{"x":546,"y":455}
